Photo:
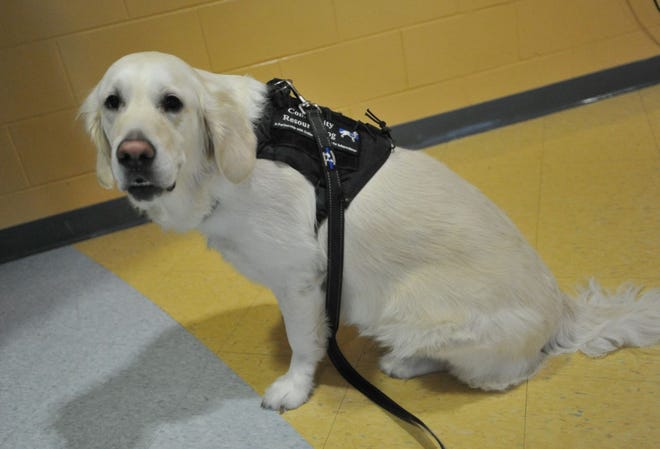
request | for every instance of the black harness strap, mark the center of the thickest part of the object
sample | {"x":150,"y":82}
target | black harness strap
{"x":335,"y":211}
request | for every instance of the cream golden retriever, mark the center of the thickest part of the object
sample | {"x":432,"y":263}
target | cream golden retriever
{"x":434,"y":271}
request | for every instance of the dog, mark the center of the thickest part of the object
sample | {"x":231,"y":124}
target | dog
{"x":433,"y":270}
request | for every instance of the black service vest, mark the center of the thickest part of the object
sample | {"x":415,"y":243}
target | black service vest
{"x":284,"y":135}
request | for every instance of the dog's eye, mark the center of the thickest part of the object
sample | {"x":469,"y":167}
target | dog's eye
{"x":112,"y":102}
{"x":171,"y":103}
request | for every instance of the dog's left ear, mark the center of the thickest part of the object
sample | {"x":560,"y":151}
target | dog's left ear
{"x":228,"y":126}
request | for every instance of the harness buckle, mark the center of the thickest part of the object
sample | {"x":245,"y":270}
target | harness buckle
{"x":329,"y":158}
{"x":304,"y":103}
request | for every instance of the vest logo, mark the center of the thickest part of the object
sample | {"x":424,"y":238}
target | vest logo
{"x":353,"y":135}
{"x":291,"y":119}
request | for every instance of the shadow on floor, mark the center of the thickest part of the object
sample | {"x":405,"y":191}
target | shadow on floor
{"x":169,"y":381}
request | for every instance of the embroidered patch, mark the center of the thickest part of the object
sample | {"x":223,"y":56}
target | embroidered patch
{"x":294,"y":120}
{"x":353,"y":135}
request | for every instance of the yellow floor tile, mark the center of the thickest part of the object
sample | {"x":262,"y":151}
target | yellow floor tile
{"x":600,"y":133}
{"x":133,"y":253}
{"x":582,"y":412}
{"x":601,"y":220}
{"x":651,"y":103}
{"x":631,"y":364}
{"x":262,"y":333}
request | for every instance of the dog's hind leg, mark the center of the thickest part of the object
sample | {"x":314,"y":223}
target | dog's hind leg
{"x":492,"y":371}
{"x":409,"y":367}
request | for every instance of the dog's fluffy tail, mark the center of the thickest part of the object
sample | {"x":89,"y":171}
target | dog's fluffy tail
{"x":598,"y":321}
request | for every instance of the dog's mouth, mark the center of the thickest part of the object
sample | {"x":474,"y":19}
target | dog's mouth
{"x":142,"y":189}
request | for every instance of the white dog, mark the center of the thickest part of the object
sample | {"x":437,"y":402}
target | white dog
{"x":433,"y":270}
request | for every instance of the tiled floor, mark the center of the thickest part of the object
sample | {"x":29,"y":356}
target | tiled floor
{"x":584,"y":188}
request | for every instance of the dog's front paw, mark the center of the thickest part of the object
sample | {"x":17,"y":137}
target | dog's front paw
{"x":287,"y":392}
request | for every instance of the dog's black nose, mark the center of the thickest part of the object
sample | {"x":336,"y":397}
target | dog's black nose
{"x":136,"y":154}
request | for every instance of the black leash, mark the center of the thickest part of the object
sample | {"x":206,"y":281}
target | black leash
{"x":335,"y":211}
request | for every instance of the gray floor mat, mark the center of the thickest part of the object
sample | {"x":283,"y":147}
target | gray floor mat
{"x":88,"y":362}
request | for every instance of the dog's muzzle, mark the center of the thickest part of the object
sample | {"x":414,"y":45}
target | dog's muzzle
{"x":136,"y":157}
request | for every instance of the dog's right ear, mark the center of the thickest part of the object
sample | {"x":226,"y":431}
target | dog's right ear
{"x":90,"y":114}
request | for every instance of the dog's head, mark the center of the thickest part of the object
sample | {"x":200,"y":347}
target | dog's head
{"x":157,"y":122}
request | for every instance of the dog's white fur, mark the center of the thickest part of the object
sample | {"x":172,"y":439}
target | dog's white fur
{"x":434,"y":271}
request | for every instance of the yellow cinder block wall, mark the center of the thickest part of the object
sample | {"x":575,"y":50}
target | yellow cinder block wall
{"x":404,"y":59}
